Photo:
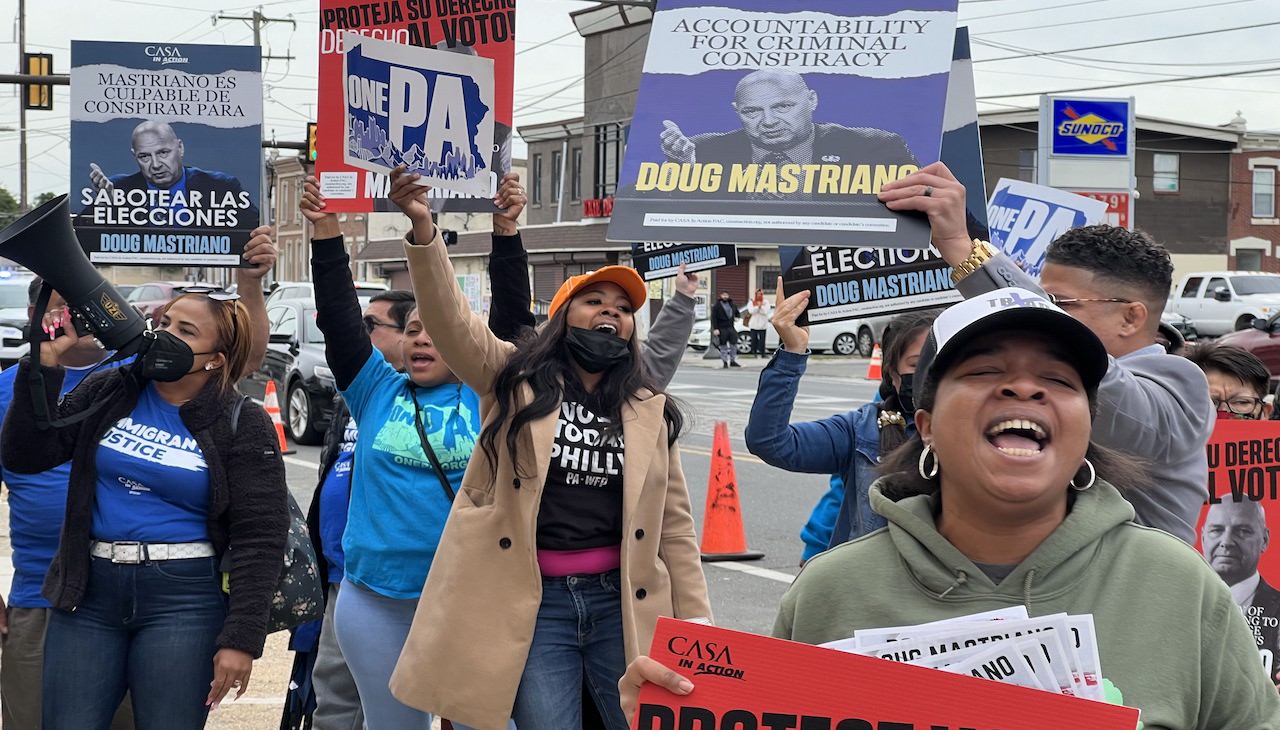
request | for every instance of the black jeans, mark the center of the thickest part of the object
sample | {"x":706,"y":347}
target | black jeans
{"x":757,"y":342}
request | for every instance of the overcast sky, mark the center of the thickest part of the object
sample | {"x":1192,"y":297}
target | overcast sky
{"x":549,"y":63}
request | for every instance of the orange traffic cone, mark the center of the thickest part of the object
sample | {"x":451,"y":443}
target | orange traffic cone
{"x":723,"y":536}
{"x":873,"y":367}
{"x":272,"y":404}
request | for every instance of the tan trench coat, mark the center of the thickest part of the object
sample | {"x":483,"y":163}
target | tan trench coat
{"x":474,"y":623}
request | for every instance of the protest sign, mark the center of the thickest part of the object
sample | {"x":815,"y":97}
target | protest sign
{"x":662,"y":260}
{"x":428,"y":110}
{"x":484,"y":29}
{"x":166,"y":151}
{"x":1025,"y":218}
{"x":747,"y":681}
{"x":927,"y":280}
{"x":1242,"y":507}
{"x":777,"y":122}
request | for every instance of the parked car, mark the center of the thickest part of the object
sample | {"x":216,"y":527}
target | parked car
{"x":1262,"y":338}
{"x":1218,"y":302}
{"x":295,"y":362}
{"x":147,"y":297}
{"x":306,"y":290}
{"x":847,"y":337}
{"x":13,"y":318}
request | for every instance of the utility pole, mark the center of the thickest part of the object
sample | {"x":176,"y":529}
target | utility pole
{"x":22,"y":110}
{"x":256,"y":21}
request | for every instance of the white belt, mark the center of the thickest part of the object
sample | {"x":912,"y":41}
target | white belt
{"x":143,"y":552}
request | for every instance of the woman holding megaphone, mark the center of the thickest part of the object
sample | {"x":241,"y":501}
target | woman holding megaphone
{"x":160,"y":490}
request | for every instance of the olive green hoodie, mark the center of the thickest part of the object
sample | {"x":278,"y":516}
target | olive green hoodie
{"x":1169,"y":635}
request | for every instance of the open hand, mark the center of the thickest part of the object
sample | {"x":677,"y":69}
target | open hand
{"x":231,"y":670}
{"x":935,"y":192}
{"x":794,"y":337}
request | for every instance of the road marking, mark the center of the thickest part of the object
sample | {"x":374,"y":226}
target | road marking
{"x":301,"y":462}
{"x":774,"y":575}
{"x":707,"y":452}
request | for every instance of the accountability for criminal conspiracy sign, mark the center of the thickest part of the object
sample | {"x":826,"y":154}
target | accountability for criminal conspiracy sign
{"x":166,"y":154}
{"x":428,"y":110}
{"x":778,"y":121}
{"x":466,"y":29}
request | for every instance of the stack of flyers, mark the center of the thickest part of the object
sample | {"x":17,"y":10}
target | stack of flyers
{"x":1057,"y":653}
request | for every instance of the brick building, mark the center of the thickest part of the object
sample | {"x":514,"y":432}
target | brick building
{"x":1254,"y":222}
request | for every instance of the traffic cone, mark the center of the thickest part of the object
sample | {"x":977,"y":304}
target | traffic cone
{"x":873,"y":367}
{"x":723,"y":536}
{"x":272,"y":404}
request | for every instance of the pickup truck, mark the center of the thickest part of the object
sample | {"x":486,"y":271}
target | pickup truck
{"x":1218,"y":302}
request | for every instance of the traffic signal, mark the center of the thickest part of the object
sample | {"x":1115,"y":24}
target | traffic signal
{"x":38,"y":96}
{"x":311,"y":141}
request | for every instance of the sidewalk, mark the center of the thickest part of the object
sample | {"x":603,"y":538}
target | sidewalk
{"x":827,"y":366}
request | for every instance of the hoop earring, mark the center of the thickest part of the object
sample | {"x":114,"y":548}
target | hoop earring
{"x":1093,"y":477}
{"x":924,"y":456}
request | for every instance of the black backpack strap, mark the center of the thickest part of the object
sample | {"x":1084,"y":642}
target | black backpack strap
{"x":235,"y":415}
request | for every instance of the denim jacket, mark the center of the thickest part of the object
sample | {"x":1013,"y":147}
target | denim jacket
{"x":846,"y":444}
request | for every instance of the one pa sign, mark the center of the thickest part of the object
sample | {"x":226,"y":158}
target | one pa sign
{"x":1091,"y":127}
{"x":429,"y":110}
{"x":1025,"y":218}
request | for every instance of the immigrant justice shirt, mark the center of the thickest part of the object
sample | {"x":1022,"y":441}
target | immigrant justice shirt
{"x":153,"y":483}
{"x":335,"y":499}
{"x":582,"y":497}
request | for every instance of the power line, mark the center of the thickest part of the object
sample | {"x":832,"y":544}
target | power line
{"x":1033,"y":10}
{"x":1131,"y":83}
{"x":602,"y":66}
{"x":1118,"y":17}
{"x":1123,"y":43}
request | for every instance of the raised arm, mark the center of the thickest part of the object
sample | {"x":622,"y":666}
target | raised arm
{"x":509,"y":314}
{"x":473,"y":352}
{"x":669,"y":333}
{"x":261,"y":253}
{"x":346,"y":342}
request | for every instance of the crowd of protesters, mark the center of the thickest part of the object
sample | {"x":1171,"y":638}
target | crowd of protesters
{"x":489,"y":487}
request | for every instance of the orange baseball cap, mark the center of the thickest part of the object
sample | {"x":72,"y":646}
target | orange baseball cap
{"x":624,"y":276}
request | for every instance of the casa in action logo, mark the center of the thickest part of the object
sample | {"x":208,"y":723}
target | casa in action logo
{"x":704,"y":657}
{"x":165,"y":55}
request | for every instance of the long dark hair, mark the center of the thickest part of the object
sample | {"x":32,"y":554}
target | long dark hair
{"x":901,"y":331}
{"x":543,"y":361}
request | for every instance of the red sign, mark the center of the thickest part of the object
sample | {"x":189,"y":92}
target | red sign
{"x":747,"y":681}
{"x":484,"y":29}
{"x":1242,"y":508}
{"x":1117,"y":206}
{"x":597,"y":207}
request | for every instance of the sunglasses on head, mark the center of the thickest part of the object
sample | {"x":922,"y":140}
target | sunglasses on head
{"x":371,"y":324}
{"x":217,"y":295}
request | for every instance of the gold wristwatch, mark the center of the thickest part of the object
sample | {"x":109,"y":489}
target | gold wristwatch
{"x":982,"y":252}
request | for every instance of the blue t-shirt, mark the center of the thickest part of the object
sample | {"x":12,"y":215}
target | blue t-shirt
{"x":398,"y":508}
{"x":153,"y":483}
{"x":37,"y":504}
{"x":335,"y":498}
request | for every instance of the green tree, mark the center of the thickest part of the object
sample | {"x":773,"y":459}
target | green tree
{"x":43,"y":198}
{"x":8,"y":207}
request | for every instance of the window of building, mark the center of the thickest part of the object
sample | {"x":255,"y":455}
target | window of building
{"x":608,"y":139}
{"x":767,"y":278}
{"x":1249,"y":259}
{"x":1165,"y":179}
{"x":557,"y":167}
{"x":297,"y":198}
{"x":576,"y":175}
{"x":1264,"y":193}
{"x":535,"y":189}
{"x":1028,"y":161}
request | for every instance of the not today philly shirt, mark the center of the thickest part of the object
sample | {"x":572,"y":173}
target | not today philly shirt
{"x":153,"y":483}
{"x":582,"y":496}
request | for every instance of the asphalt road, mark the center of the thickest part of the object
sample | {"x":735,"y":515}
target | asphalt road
{"x":776,"y":503}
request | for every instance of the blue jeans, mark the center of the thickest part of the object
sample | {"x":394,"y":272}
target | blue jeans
{"x":150,"y":628}
{"x":578,"y":637}
{"x":371,"y":631}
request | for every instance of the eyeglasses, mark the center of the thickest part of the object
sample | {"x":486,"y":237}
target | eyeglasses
{"x":1078,"y":300}
{"x":371,"y":324}
{"x":1241,"y":405}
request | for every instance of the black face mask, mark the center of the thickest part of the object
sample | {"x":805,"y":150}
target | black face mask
{"x":166,"y":358}
{"x":595,"y":351}
{"x":906,"y":398}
